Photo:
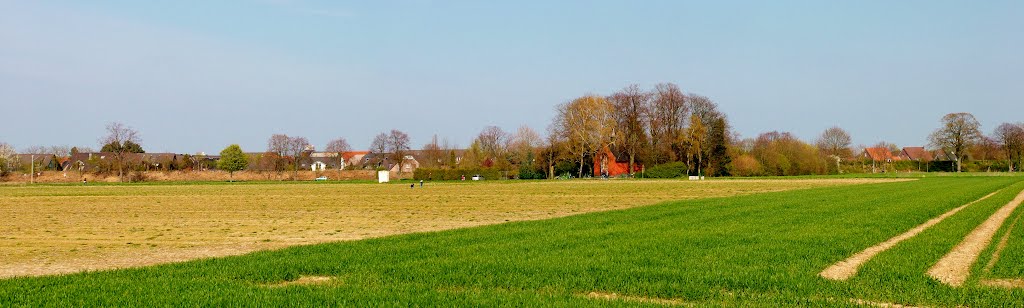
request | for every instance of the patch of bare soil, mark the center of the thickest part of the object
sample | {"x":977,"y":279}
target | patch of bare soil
{"x":879,"y":304}
{"x":845,"y":269}
{"x":638,"y":299}
{"x":302,"y":281}
{"x":954,"y":268}
{"x":1004,"y":283}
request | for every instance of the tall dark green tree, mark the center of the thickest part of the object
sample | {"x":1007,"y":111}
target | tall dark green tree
{"x":718,"y":142}
{"x":232,"y":159}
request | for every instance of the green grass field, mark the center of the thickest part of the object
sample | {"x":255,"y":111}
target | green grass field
{"x":751,"y":250}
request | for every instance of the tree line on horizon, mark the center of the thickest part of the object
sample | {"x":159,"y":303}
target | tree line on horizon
{"x":662,"y":132}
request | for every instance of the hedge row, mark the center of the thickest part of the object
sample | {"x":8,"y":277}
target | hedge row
{"x":666,"y":171}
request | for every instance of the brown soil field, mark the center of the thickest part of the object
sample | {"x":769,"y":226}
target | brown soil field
{"x":184,"y":176}
{"x":65,"y":229}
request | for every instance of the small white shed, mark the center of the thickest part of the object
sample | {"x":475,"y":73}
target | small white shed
{"x":383,"y":176}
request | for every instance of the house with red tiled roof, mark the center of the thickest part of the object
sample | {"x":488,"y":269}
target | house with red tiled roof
{"x":354,"y":157}
{"x":915,"y":154}
{"x":879,"y":155}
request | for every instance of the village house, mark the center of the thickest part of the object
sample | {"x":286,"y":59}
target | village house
{"x":354,"y":158}
{"x":606,"y":163}
{"x":42,"y":162}
{"x":879,"y":155}
{"x":384,"y":161}
{"x":321,"y":161}
{"x":915,"y":154}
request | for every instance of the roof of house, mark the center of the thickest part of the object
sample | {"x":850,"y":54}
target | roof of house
{"x":916,"y":153}
{"x":348,"y":155}
{"x":157,"y":157}
{"x":940,"y":155}
{"x":879,"y":154}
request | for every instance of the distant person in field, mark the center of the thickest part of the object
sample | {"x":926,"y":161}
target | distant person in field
{"x":463,"y":177}
{"x":413,"y":185}
{"x":421,"y":183}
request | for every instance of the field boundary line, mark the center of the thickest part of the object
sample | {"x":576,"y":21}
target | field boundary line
{"x":848,"y":267}
{"x":954,"y":268}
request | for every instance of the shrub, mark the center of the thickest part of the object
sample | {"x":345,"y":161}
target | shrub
{"x":746,"y":165}
{"x":666,"y":171}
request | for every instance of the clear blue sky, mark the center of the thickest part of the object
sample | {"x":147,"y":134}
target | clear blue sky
{"x":199,"y":75}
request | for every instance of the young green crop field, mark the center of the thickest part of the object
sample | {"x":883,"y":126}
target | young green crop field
{"x":764,"y":249}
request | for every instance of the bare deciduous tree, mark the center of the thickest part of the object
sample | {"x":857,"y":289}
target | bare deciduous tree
{"x":493,"y":142}
{"x":296,"y":147}
{"x":552,"y":148}
{"x":958,"y":133}
{"x":278,"y":146}
{"x":398,"y":144}
{"x":524,"y":144}
{"x":630,"y":106}
{"x":666,"y":116}
{"x":60,"y":150}
{"x":120,"y":135}
{"x":586,"y":125}
{"x":1011,"y":140}
{"x":433,"y":154}
{"x":703,"y":107}
{"x":834,"y":141}
{"x":379,"y":146}
{"x":278,"y":143}
{"x":340,"y":146}
{"x":35,"y":149}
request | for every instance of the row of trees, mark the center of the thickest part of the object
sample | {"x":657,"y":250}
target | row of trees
{"x":960,"y":134}
{"x":659,"y":126}
{"x":646,"y":127}
{"x":651,"y":127}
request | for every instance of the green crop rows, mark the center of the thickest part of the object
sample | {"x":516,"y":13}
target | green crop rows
{"x":756,"y":250}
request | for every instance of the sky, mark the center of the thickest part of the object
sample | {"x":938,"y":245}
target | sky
{"x":196,"y":76}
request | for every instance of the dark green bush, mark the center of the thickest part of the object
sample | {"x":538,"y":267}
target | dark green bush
{"x":666,"y":171}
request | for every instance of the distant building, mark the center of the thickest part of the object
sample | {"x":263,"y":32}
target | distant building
{"x":879,"y":155}
{"x":915,"y":154}
{"x":43,"y":162}
{"x":606,"y":163}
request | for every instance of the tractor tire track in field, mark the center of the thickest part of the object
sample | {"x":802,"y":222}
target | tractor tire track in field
{"x":954,"y":268}
{"x":845,"y":269}
{"x":1001,"y":246}
{"x":1002,"y":283}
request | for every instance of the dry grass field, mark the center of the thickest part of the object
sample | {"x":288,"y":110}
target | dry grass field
{"x":64,"y":229}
